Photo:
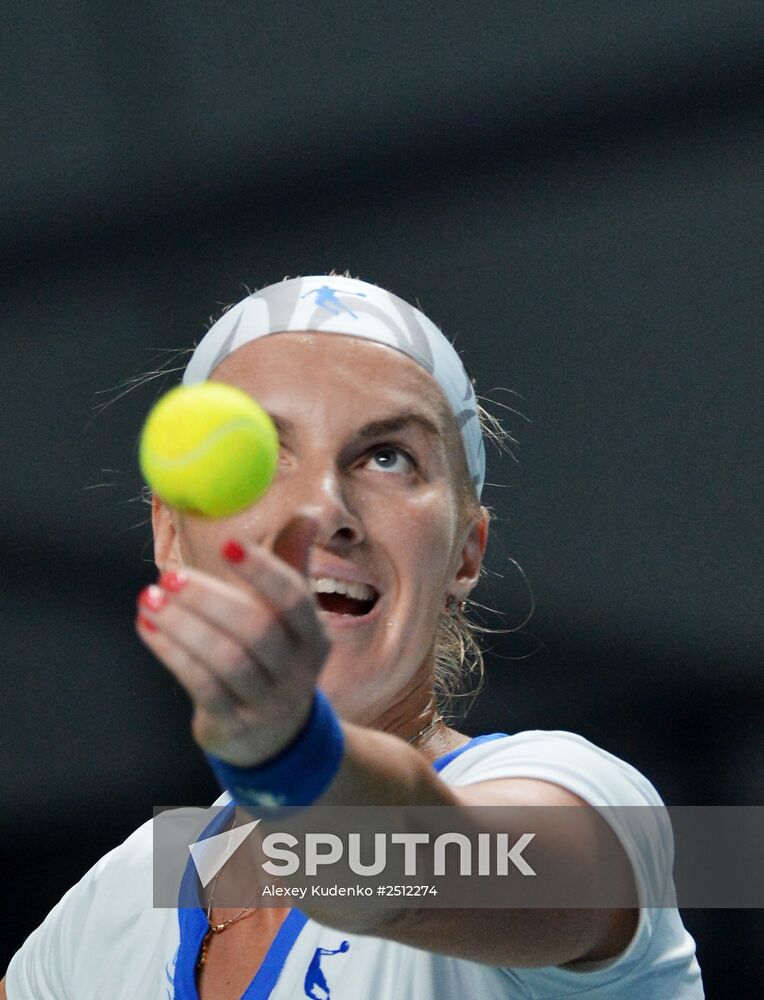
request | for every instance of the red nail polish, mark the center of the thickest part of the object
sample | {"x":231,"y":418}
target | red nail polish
{"x":152,"y":598}
{"x":233,"y":552}
{"x":173,"y":580}
{"x":146,"y":623}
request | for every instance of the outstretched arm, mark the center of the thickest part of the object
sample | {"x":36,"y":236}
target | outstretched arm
{"x":250,"y":657}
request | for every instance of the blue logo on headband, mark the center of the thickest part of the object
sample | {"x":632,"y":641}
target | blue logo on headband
{"x":326,"y":298}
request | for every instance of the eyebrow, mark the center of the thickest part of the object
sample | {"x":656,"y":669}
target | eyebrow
{"x":376,"y":428}
{"x":401,"y":421}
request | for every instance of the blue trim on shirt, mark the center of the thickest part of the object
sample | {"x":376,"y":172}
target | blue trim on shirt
{"x":192,"y":919}
{"x":193,"y":925}
{"x":189,"y":895}
{"x":441,"y":762}
{"x":267,"y":975}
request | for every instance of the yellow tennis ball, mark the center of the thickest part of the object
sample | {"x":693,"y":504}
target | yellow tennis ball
{"x":208,"y":449}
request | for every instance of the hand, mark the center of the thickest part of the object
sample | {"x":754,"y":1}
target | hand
{"x":248,"y":656}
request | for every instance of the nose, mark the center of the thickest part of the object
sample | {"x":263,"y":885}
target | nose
{"x":319,"y":494}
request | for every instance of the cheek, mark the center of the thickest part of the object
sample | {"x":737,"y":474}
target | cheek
{"x":194,"y":549}
{"x":424,"y":538}
{"x":201,"y":541}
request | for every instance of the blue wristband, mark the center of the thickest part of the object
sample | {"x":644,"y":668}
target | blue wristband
{"x":299,"y":774}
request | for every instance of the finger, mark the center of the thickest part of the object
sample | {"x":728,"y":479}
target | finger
{"x":283,"y":587}
{"x":243,"y":615}
{"x":233,"y":666}
{"x":293,"y":542}
{"x":201,"y":684}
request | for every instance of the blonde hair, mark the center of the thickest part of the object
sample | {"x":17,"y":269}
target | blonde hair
{"x":458,"y":654}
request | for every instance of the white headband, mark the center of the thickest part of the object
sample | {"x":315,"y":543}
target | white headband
{"x":333,"y":304}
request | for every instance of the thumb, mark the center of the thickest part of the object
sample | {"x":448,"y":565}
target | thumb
{"x":294,"y":541}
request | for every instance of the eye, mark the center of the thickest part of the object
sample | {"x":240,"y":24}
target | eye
{"x":391,"y":458}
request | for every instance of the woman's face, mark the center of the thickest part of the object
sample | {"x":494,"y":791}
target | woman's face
{"x":366,"y":451}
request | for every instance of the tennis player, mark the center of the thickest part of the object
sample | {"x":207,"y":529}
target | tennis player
{"x":310,"y":633}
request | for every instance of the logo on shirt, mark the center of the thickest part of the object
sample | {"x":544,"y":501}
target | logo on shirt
{"x":316,"y":986}
{"x":169,"y":971}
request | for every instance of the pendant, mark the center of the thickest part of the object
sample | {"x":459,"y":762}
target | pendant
{"x":214,"y":929}
{"x":205,"y":946}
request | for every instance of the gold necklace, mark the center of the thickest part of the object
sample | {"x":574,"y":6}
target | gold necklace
{"x":219,"y":928}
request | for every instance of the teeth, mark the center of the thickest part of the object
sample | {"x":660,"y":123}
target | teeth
{"x":328,"y":585}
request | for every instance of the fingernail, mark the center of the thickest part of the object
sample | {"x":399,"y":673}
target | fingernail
{"x":152,"y":598}
{"x":173,"y":580}
{"x":233,"y":552}
{"x":146,"y":623}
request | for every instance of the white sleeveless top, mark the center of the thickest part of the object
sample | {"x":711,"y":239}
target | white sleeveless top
{"x":105,"y":939}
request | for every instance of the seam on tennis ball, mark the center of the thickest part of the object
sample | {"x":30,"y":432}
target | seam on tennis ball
{"x":209,"y":442}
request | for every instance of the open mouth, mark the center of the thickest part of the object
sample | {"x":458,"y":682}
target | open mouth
{"x":339,"y":597}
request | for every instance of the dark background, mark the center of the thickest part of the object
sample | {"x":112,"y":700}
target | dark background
{"x":573,"y":191}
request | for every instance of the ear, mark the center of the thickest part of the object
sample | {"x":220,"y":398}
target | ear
{"x":472,"y":552}
{"x":166,"y":541}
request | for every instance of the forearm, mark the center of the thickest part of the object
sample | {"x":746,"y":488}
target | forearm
{"x":251,"y":693}
{"x":381,"y":771}
{"x":378,"y":769}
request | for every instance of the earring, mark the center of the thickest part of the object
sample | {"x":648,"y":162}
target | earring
{"x":453,"y":605}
